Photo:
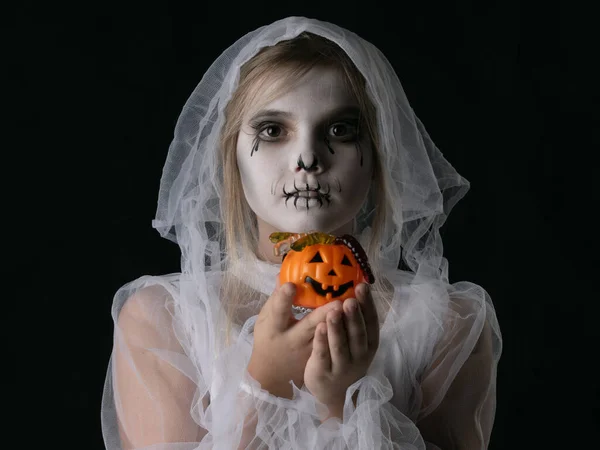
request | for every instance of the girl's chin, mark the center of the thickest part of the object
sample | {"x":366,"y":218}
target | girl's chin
{"x":306,"y":226}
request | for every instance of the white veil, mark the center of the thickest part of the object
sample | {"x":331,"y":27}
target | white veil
{"x":423,"y":185}
{"x":165,"y":363}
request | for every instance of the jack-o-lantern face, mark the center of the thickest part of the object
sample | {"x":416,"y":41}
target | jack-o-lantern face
{"x":322,"y":273}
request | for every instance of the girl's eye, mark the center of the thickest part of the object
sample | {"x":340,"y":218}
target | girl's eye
{"x":272,"y":131}
{"x":269,"y":132}
{"x":343,"y":130}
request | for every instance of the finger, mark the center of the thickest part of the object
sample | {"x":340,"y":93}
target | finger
{"x":356,"y":329}
{"x":280,"y":304}
{"x":369,"y":312}
{"x":320,"y":349}
{"x":338,"y":341}
{"x":305,"y":328}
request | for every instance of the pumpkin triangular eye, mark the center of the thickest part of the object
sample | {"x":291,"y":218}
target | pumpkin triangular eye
{"x":346,"y":261}
{"x":317,"y":258}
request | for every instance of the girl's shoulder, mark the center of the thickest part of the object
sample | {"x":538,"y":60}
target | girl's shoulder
{"x":145,"y":294}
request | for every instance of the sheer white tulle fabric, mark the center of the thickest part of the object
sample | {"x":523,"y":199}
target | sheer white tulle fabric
{"x":177,"y":376}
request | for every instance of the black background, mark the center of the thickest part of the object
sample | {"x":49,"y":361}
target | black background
{"x":507,"y":90}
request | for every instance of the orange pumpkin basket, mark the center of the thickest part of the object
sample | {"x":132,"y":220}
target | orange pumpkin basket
{"x":323,"y":267}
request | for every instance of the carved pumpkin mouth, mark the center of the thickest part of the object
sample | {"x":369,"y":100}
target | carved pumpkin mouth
{"x":330,"y":290}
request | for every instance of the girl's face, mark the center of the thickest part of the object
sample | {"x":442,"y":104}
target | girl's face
{"x":304,"y":162}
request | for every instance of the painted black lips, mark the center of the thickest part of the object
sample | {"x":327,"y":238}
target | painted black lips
{"x":330,"y":290}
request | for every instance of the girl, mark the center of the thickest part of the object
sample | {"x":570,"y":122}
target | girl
{"x":300,"y":126}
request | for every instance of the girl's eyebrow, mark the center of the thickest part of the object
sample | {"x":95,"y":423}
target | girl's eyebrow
{"x":345,"y":110}
{"x":271,"y":114}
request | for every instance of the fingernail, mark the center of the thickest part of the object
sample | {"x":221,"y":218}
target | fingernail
{"x":289,"y":289}
{"x":335,"y":318}
{"x":351,"y":307}
{"x":361,"y":290}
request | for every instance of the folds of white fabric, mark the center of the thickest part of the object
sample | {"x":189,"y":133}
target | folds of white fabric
{"x":160,"y":394}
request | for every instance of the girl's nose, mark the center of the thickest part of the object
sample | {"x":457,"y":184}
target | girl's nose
{"x":312,"y":165}
{"x":308,"y":157}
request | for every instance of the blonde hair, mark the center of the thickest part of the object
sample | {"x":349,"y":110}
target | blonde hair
{"x":290,"y":60}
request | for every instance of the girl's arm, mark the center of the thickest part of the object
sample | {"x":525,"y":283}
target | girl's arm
{"x":153,"y":398}
{"x":464,"y":417}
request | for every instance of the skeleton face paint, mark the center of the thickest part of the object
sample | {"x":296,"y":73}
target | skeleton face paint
{"x":305,"y":164}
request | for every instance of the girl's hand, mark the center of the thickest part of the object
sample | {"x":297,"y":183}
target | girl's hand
{"x":343,"y":349}
{"x":282,"y":345}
